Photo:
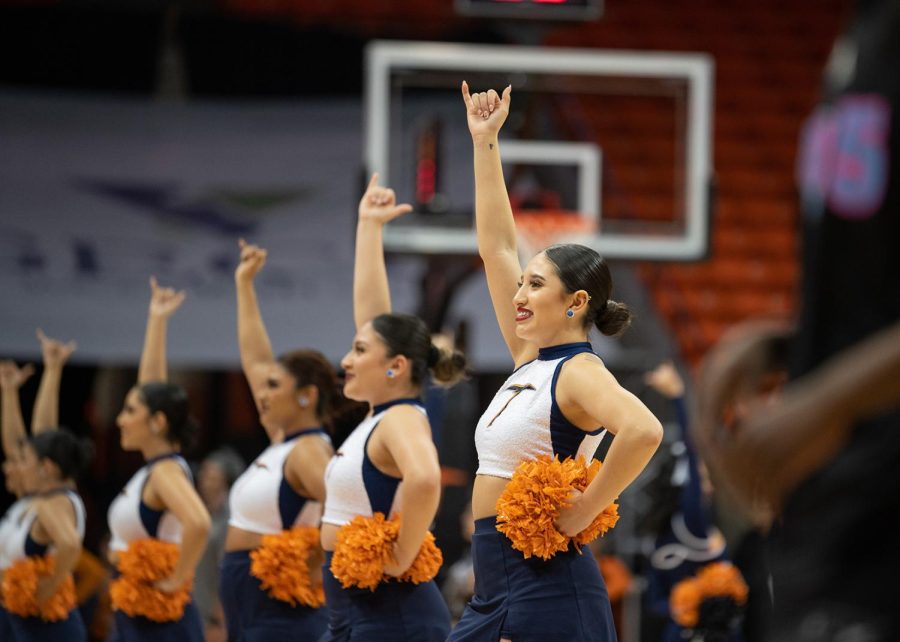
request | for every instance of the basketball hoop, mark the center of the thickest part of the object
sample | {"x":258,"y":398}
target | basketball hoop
{"x":539,"y":229}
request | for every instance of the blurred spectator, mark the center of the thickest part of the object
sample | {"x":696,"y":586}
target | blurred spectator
{"x":218,"y":471}
{"x":686,"y":539}
{"x":824,"y":456}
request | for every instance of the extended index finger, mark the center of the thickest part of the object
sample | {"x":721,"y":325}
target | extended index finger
{"x":373,"y":182}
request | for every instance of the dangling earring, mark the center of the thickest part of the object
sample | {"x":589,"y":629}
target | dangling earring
{"x":389,"y":373}
{"x":570,"y":313}
{"x":303,"y":401}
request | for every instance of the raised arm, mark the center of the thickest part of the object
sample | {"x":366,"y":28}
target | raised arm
{"x":407,"y":438}
{"x":46,"y":406}
{"x":371,"y":292}
{"x":494,"y":224}
{"x":253,"y":340}
{"x":177,"y":494}
{"x":163,"y":303}
{"x":11,"y":379}
{"x":590,"y":396}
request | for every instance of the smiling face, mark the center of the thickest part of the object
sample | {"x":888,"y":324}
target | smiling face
{"x":541,"y":303}
{"x":277,"y":399}
{"x":366,"y":366}
{"x":135,"y":424}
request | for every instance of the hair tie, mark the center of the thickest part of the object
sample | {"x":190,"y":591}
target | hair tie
{"x":434,"y":355}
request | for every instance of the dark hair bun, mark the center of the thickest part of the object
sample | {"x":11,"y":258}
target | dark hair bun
{"x":614,"y":319}
{"x":172,"y":401}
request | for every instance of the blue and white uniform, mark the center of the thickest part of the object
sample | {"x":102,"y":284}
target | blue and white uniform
{"x":16,"y":543}
{"x":131,"y":519}
{"x":563,"y":598}
{"x":394,"y":610}
{"x":261,"y":501}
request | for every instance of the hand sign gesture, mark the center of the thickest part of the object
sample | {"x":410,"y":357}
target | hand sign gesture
{"x":12,"y":377}
{"x":253,"y":258}
{"x":379,"y":204}
{"x":486,"y":111}
{"x":55,"y":353}
{"x":164,"y":301}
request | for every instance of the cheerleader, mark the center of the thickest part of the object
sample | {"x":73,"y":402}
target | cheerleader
{"x":158,"y":524}
{"x":558,"y":402}
{"x":276,"y":504}
{"x":48,"y":519}
{"x":388,"y":466}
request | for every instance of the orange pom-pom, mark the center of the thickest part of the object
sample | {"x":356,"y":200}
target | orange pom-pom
{"x":684,"y":602}
{"x":723,"y":579}
{"x":20,"y":585}
{"x":143,"y":563}
{"x":361,"y":550}
{"x":282,"y":564}
{"x":719,"y":579}
{"x":529,"y":505}
{"x":365,"y":545}
{"x":427,"y":563}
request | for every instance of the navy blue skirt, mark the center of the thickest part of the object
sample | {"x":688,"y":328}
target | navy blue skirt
{"x":532,"y":600}
{"x":139,"y":629}
{"x":252,"y":616}
{"x":33,"y":629}
{"x":393,"y":611}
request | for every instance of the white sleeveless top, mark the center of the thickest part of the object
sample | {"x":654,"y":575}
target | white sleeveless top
{"x":131,"y":519}
{"x":353,"y":485}
{"x":262,"y":501}
{"x":523,"y":421}
{"x":15,"y":529}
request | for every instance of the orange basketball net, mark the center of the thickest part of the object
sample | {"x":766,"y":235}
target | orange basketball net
{"x":539,"y":229}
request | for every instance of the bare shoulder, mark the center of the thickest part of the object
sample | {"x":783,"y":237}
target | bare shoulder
{"x":583,"y":374}
{"x":402,"y":418}
{"x":168,"y":469}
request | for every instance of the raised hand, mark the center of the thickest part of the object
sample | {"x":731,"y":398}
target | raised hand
{"x":55,"y":353}
{"x":665,"y":380}
{"x":12,"y":377}
{"x":164,"y":301}
{"x":486,"y":111}
{"x":253,"y":258}
{"x":379,"y":204}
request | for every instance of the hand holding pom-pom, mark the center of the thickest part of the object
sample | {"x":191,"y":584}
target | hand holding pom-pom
{"x":20,"y":590}
{"x":144,"y":563}
{"x":365,"y":546}
{"x":282,"y":564}
{"x":530,"y":505}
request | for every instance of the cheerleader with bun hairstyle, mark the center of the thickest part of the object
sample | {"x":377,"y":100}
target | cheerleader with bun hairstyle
{"x":539,"y":495}
{"x":42,"y":533}
{"x":384,"y":483}
{"x":270,"y":579}
{"x":581,"y":268}
{"x":158,"y":524}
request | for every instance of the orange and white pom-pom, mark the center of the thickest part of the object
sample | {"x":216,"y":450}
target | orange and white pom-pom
{"x":365,"y":545}
{"x":141,"y":565}
{"x":20,"y":585}
{"x":719,"y":579}
{"x":282,"y":564}
{"x":532,"y":500}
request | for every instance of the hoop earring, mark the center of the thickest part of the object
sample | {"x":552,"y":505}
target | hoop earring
{"x":570,"y":313}
{"x":389,"y":373}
